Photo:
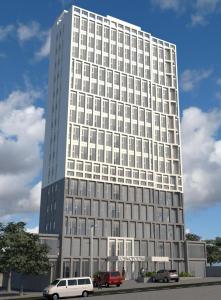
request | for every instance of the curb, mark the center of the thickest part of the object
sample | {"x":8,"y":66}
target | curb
{"x":164,"y":287}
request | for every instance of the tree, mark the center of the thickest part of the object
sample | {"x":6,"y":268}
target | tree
{"x":218,"y":241}
{"x":213,"y":254}
{"x":21,"y":252}
{"x":192,"y":237}
{"x":213,"y":248}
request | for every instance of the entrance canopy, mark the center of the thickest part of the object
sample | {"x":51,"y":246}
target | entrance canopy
{"x":126,"y":258}
{"x":139,"y":258}
{"x":158,"y":258}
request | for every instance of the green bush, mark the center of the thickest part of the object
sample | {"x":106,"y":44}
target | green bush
{"x":96,"y":274}
{"x":150,"y":274}
{"x":185,"y":274}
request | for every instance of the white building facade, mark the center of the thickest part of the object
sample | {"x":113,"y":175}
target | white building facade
{"x":112,"y":177}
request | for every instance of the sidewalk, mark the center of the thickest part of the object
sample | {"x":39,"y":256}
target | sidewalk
{"x":129,"y":286}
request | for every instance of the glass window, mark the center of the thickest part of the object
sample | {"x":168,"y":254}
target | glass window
{"x":77,"y":206}
{"x":116,"y":192}
{"x":173,"y":215}
{"x":136,"y":212}
{"x":91,"y":189}
{"x":143,"y":212}
{"x":99,"y":190}
{"x":150,"y":214}
{"x":62,"y":282}
{"x":104,"y":209}
{"x":87,"y":207}
{"x":82,"y":226}
{"x":72,"y":282}
{"x":129,"y":247}
{"x":68,"y":206}
{"x":82,"y":188}
{"x":107,"y":191}
{"x":123,"y":195}
{"x":127,"y":213}
{"x":95,"y":208}
{"x":131,"y":194}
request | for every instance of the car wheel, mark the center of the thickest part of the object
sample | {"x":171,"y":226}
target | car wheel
{"x":177,"y":280}
{"x":166,"y":280}
{"x":118,"y":285}
{"x":55,"y":297}
{"x":107,"y":285}
{"x":85,"y":294}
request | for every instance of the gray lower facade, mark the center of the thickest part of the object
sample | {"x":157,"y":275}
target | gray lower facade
{"x":195,"y":256}
{"x":128,"y":226}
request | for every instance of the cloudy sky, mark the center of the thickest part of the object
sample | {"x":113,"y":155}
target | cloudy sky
{"x":193,"y":25}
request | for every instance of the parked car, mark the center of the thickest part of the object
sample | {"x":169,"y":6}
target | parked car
{"x":108,"y":278}
{"x":166,"y":276}
{"x":69,"y":287}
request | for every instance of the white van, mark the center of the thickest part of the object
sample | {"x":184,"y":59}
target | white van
{"x":69,"y":287}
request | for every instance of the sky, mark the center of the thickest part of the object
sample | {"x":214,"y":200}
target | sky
{"x":193,"y":25}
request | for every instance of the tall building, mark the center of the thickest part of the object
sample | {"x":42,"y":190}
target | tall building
{"x":112,"y":177}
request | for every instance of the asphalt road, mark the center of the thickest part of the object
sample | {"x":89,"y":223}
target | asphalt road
{"x":193,"y":293}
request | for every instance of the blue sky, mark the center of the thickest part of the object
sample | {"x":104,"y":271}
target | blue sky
{"x":194,"y":26}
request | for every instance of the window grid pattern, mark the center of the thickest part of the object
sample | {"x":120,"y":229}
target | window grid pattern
{"x":123,"y":106}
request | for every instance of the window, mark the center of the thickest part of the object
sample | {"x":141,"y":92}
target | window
{"x":84,"y":281}
{"x":116,"y":192}
{"x":106,"y":32}
{"x":77,"y":206}
{"x":127,"y":211}
{"x":82,"y":227}
{"x":99,"y":190}
{"x":62,"y":283}
{"x":72,"y":282}
{"x":87,"y":207}
{"x":68,"y":205}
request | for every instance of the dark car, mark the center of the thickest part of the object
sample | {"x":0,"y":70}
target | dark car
{"x":108,"y":278}
{"x":166,"y":276}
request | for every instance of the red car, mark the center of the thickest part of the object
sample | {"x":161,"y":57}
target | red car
{"x":108,"y":278}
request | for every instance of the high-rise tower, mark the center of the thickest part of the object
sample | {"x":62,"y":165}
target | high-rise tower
{"x":112,"y":177}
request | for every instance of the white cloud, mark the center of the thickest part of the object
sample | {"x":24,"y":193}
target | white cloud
{"x":65,"y":3}
{"x":201,"y":157}
{"x":3,"y":55}
{"x":5,"y":31}
{"x":218,"y":81}
{"x":203,"y":8}
{"x":187,"y":230}
{"x":199,"y":10}
{"x":189,"y":79}
{"x":26,"y":32}
{"x":33,"y":230}
{"x":206,"y":6}
{"x":198,"y":19}
{"x":174,"y":5}
{"x":45,"y":48}
{"x":21,"y":137}
{"x":218,"y":95}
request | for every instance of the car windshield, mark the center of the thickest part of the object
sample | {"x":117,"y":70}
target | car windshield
{"x":172,"y":271}
{"x":55,"y":282}
{"x":114,"y":274}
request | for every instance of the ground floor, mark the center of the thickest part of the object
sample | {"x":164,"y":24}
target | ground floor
{"x":85,"y":256}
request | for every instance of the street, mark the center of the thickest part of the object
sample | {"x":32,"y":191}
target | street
{"x":195,"y":293}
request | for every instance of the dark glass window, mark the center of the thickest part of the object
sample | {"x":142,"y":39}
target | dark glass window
{"x":62,"y":283}
{"x":84,"y":281}
{"x":72,"y":282}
